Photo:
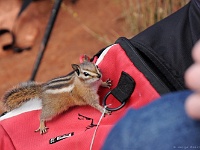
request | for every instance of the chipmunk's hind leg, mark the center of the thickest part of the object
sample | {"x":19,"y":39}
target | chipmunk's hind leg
{"x":45,"y":115}
{"x":48,"y":112}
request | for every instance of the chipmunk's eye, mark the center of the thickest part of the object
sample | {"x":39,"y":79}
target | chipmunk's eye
{"x":86,"y":74}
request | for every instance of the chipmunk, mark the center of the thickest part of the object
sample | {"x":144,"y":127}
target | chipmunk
{"x":77,"y":88}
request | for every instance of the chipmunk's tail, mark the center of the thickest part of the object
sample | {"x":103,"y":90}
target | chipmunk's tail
{"x":17,"y":96}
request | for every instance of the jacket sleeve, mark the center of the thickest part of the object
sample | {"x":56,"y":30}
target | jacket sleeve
{"x":5,"y":141}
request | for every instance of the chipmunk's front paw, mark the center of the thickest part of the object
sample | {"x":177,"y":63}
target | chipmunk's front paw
{"x":107,"y":112}
{"x":107,"y":83}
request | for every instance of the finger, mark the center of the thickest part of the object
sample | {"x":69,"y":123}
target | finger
{"x":196,"y":52}
{"x":192,"y":106}
{"x":192,"y":79}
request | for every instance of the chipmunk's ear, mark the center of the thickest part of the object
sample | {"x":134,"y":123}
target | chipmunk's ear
{"x":76,"y":68}
{"x":85,"y":58}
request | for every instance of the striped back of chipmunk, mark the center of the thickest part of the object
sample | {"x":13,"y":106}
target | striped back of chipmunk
{"x":60,"y":84}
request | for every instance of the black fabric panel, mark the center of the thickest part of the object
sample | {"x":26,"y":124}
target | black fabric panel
{"x":168,"y":43}
{"x":142,"y":65}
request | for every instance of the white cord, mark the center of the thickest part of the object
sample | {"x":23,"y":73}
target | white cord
{"x":92,"y":142}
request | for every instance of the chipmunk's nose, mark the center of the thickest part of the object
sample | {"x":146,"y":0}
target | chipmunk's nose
{"x":99,"y":76}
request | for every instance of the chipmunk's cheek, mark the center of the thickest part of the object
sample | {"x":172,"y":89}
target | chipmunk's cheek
{"x":97,"y":79}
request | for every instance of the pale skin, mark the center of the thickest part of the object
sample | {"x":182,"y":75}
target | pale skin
{"x":192,"y":79}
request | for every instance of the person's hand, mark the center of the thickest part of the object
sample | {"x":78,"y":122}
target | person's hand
{"x":192,"y":79}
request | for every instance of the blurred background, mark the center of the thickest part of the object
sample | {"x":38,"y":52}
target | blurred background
{"x":82,"y":27}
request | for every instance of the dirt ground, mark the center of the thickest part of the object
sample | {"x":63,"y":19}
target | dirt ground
{"x":81,"y":28}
